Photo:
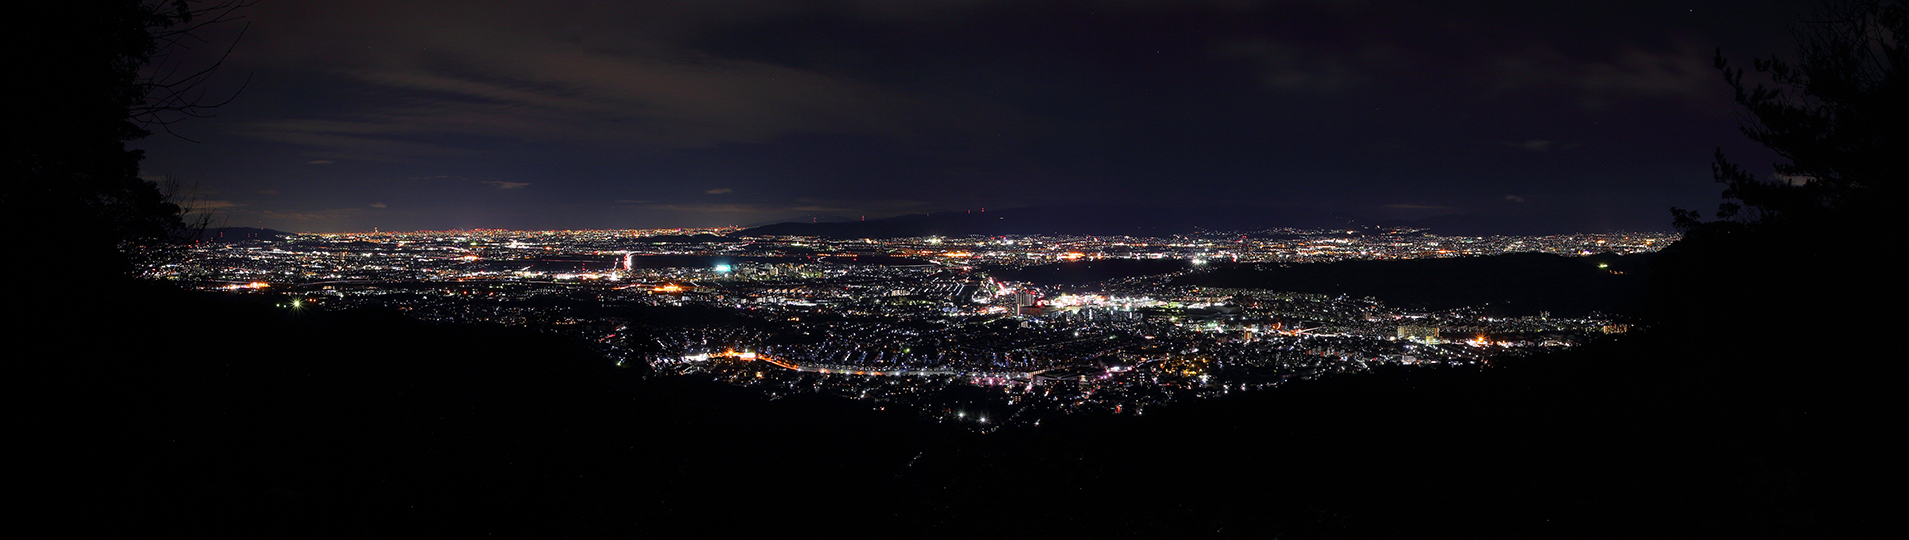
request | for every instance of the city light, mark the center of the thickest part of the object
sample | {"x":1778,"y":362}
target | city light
{"x":909,"y":321}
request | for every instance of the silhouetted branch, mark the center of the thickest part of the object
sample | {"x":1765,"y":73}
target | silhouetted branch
{"x":1834,"y":113}
{"x":169,"y":96}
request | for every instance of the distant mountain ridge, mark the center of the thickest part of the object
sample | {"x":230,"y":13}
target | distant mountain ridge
{"x":1469,"y":225}
{"x":235,"y":234}
{"x":682,"y":238}
{"x":1108,"y":221}
{"x":1114,"y":221}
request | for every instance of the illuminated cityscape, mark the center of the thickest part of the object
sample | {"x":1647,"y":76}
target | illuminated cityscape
{"x":948,"y":327}
{"x":1317,"y":269}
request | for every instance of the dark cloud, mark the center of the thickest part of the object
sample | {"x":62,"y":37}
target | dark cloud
{"x":1682,"y":72}
{"x":1289,"y":67}
{"x":880,"y":107}
{"x":202,"y":206}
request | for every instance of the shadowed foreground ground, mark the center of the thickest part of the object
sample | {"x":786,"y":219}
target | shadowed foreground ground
{"x":161,"y":411}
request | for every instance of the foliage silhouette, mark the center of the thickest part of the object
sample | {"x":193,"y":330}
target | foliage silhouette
{"x":1803,"y":246}
{"x":1778,"y":311}
{"x":1837,"y":114}
{"x":106,"y":72}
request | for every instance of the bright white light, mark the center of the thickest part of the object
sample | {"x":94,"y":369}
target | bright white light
{"x":722,"y":268}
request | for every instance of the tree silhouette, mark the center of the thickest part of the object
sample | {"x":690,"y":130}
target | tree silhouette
{"x":102,"y":74}
{"x":1802,"y":253}
{"x":1803,"y":249}
{"x":1839,"y":114}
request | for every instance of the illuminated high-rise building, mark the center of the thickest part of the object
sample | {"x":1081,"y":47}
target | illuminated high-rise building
{"x":1421,"y":334}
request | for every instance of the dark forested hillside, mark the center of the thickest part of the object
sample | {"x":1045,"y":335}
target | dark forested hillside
{"x":1514,"y":284}
{"x":279,"y":422}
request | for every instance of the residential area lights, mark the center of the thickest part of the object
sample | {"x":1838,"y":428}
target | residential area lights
{"x":908,"y":321}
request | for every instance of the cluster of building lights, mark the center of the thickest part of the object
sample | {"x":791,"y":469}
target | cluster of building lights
{"x":895,"y":321}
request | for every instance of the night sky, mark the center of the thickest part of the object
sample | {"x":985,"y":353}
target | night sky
{"x":408,"y":115}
